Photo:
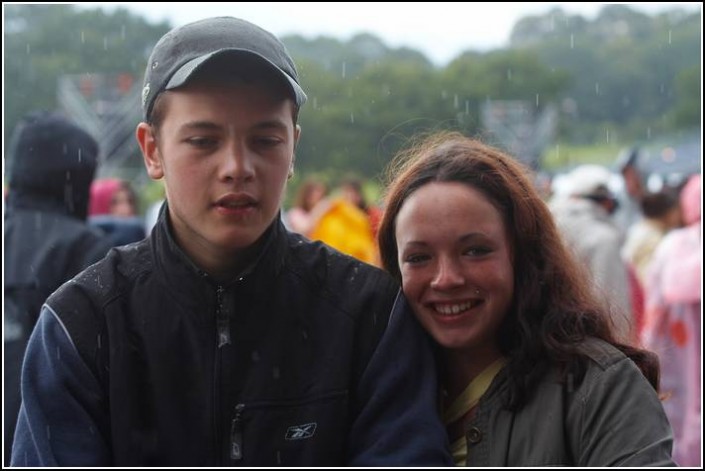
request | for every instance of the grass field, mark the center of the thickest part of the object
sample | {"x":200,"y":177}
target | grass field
{"x":568,"y":155}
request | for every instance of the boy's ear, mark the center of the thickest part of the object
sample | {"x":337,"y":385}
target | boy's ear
{"x":150,"y":151}
{"x":297,"y":135}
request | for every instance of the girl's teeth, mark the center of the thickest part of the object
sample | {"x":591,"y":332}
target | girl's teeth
{"x":454,"y":309}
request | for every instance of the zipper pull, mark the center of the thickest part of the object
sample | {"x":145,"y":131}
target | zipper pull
{"x":236,"y":434}
{"x":222,"y":318}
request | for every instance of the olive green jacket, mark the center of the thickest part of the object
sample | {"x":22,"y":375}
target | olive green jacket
{"x":612,"y":418}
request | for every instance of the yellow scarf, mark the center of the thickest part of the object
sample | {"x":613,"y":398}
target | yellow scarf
{"x":466,"y":401}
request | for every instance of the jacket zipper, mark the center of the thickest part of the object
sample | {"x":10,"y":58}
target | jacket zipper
{"x":222,"y":318}
{"x":222,"y":338}
{"x":236,"y":434}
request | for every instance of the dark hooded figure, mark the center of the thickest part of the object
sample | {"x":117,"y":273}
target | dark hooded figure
{"x":47,"y":240}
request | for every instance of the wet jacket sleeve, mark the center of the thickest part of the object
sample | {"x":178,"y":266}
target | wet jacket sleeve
{"x":621,"y":420}
{"x":62,"y":403}
{"x":398,"y":424}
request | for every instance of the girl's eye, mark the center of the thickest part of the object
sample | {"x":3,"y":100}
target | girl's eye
{"x":478,"y":251}
{"x":416,"y":258}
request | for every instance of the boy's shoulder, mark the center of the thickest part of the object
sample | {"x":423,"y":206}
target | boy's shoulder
{"x":329,"y":265}
{"x":337,"y":275}
{"x":108,"y":276}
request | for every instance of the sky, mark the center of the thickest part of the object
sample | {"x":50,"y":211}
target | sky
{"x":440,"y":30}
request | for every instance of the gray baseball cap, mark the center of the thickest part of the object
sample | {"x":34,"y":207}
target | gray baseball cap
{"x":182,"y":51}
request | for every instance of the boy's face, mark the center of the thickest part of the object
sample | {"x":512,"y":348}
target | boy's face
{"x":225,"y":152}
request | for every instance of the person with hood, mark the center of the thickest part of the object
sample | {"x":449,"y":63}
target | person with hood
{"x":47,"y":240}
{"x":583,"y":211}
{"x":673,"y":324}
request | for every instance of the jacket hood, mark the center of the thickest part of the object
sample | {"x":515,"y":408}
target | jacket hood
{"x":54,"y":162}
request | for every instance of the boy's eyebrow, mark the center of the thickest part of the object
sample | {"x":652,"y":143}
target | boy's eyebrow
{"x":200,"y":125}
{"x":271,"y":124}
{"x":210,"y":126}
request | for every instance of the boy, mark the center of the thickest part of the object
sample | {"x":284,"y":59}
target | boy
{"x":222,"y":339}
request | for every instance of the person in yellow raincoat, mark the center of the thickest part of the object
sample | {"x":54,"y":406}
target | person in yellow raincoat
{"x":347,"y":228}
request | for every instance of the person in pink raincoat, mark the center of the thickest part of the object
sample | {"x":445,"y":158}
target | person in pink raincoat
{"x":673,"y":322}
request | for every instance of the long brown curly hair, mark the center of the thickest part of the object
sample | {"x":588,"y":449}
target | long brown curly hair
{"x":554,"y":308}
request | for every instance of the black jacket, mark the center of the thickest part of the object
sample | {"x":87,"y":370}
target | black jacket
{"x":310,"y":358}
{"x":47,"y":240}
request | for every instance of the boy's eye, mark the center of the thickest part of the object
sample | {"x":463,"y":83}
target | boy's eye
{"x":201,"y":142}
{"x":267,"y":141}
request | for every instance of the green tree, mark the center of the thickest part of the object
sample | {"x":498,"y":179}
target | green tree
{"x":44,"y":42}
{"x":688,"y":109}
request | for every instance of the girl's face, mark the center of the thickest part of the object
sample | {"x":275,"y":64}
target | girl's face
{"x":456,"y":265}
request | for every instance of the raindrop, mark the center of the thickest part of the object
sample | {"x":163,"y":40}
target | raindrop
{"x":355,"y":270}
{"x":669,"y":36}
{"x":648,"y":132}
{"x":99,"y":339}
{"x":444,"y":94}
{"x":58,"y":354}
{"x":467,"y":107}
{"x":509,"y":74}
{"x":48,"y":433}
{"x":343,"y":69}
{"x":537,"y":100}
{"x":255,"y":356}
{"x":83,"y":37}
{"x":275,"y":372}
{"x":572,"y":41}
{"x":456,"y":101}
{"x":122,"y":32}
{"x":597,"y":88}
{"x":79,"y":155}
{"x":607,"y":135}
{"x":279,"y":457}
{"x":352,"y":118}
{"x":105,"y":43}
{"x":315,"y":103}
{"x":28,"y":49}
{"x":663,"y":88}
{"x":304,"y":334}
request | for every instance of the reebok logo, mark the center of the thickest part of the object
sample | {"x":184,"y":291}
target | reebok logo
{"x":300,"y":432}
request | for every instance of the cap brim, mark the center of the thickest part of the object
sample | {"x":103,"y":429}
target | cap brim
{"x":187,"y":71}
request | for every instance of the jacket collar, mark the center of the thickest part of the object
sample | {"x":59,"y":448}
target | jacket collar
{"x":187,"y":279}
